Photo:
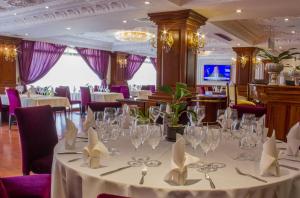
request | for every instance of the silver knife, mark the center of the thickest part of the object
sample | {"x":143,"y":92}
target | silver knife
{"x":116,"y":170}
{"x":73,"y":160}
{"x":289,"y":167}
{"x":70,"y":152}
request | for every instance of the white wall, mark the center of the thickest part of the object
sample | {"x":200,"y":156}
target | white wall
{"x":212,"y":61}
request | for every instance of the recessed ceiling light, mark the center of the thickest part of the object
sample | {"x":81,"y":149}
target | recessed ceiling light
{"x":124,"y":21}
{"x":238,"y":44}
{"x":47,"y":7}
{"x":26,"y":34}
{"x":286,"y":19}
{"x":15,"y":14}
{"x":68,"y":28}
{"x":147,"y":2}
{"x":238,"y":11}
{"x":293,"y":31}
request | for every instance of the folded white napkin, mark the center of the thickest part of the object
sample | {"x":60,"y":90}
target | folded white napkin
{"x":95,"y":149}
{"x":179,"y":162}
{"x":70,"y":134}
{"x":90,"y":120}
{"x":269,"y":158}
{"x":293,"y":140}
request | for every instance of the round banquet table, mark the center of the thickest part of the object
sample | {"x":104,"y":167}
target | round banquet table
{"x":75,"y":179}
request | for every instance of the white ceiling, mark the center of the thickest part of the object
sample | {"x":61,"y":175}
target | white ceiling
{"x":94,"y":22}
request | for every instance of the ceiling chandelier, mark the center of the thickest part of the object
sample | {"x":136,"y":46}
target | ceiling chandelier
{"x":133,"y":36}
{"x":166,"y":39}
{"x":196,"y":42}
{"x":122,"y":60}
{"x":8,"y":51}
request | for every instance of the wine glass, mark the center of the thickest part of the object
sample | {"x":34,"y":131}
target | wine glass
{"x":109,"y":114}
{"x":154,"y":135}
{"x":215,"y":132}
{"x":200,"y":112}
{"x":136,"y":136}
{"x":193,"y":135}
{"x":154,"y":113}
{"x":221,"y":117}
{"x":192,"y":117}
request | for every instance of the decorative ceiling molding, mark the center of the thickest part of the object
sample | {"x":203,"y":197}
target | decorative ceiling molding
{"x":69,"y":9}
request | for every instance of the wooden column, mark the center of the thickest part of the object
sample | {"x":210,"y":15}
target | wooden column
{"x":7,"y":68}
{"x":244,"y":73}
{"x":180,"y":63}
{"x":117,"y":72}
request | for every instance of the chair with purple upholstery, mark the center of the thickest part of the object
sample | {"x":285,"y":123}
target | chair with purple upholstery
{"x":257,"y":110}
{"x":148,"y":87}
{"x":38,"y":137}
{"x":104,"y":195}
{"x":60,"y":92}
{"x":33,"y":186}
{"x":100,"y":106}
{"x":72,"y":102}
{"x":96,"y":88}
{"x":124,"y":89}
{"x":115,"y":88}
{"x":14,"y":102}
{"x":85,"y":95}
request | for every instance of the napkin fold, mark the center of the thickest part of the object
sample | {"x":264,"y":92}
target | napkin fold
{"x":95,"y":150}
{"x":179,"y":162}
{"x":269,"y":158}
{"x":90,"y":120}
{"x":293,"y":140}
{"x":70,"y":134}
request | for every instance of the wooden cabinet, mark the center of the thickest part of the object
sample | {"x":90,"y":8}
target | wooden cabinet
{"x":283,"y":106}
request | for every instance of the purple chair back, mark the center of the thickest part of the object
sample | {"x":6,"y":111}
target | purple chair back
{"x":115,"y":88}
{"x":149,"y":87}
{"x":3,"y":192}
{"x":14,"y":100}
{"x":67,"y":90}
{"x":37,"y":134}
{"x":258,"y":111}
{"x":85,"y":95}
{"x":125,"y":91}
{"x":61,"y":92}
{"x":100,"y":106}
{"x":96,"y":88}
{"x":110,"y":196}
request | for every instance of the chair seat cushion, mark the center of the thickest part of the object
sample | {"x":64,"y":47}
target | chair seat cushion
{"x":245,"y":102}
{"x":3,"y":192}
{"x":42,"y":165}
{"x":257,"y":110}
{"x":33,"y":186}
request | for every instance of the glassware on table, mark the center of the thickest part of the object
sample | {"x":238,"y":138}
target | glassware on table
{"x":215,"y":132}
{"x":221,"y":117}
{"x":136,"y":136}
{"x":192,"y":116}
{"x":154,"y":112}
{"x":193,"y":135}
{"x":109,"y":114}
{"x":200,"y":112}
{"x":154,"y":135}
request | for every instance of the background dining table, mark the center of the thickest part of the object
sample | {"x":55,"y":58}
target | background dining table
{"x":75,"y":179}
{"x":100,"y":96}
{"x":39,"y":100}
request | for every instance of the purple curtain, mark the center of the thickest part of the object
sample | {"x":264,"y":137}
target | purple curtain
{"x":36,"y":59}
{"x":134,"y":62}
{"x":154,"y":62}
{"x":97,"y":60}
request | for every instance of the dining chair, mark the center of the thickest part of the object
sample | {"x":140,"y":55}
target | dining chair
{"x":14,"y":102}
{"x":233,"y":96}
{"x":104,"y":195}
{"x":32,"y":186}
{"x":100,"y":106}
{"x":124,"y":89}
{"x":38,"y":137}
{"x":96,"y":88}
{"x":115,"y":88}
{"x":60,"y":92}
{"x":85,"y":95}
{"x":72,"y":102}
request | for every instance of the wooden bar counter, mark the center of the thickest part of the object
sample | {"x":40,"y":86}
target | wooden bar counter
{"x":283,"y":106}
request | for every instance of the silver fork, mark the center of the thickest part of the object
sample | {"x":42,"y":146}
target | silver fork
{"x":207,"y":177}
{"x":248,"y":175}
{"x":144,"y":173}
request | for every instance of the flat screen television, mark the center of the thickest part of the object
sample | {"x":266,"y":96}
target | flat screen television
{"x":217,"y":72}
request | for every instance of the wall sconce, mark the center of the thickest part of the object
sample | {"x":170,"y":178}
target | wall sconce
{"x":196,"y":42}
{"x":122,"y":60}
{"x":244,"y":61}
{"x":166,"y":39}
{"x":233,"y":61}
{"x":8,"y":51}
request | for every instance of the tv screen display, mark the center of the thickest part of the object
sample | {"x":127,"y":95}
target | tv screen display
{"x":217,"y":72}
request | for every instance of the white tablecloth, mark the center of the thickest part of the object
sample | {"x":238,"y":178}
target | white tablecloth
{"x":100,"y":96}
{"x":76,"y":180}
{"x":39,"y":100}
{"x":142,"y":94}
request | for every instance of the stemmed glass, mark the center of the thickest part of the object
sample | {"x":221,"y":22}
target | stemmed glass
{"x":193,"y":135}
{"x":221,"y":117}
{"x":154,"y":135}
{"x":154,"y":112}
{"x":215,"y":132}
{"x":200,"y":112}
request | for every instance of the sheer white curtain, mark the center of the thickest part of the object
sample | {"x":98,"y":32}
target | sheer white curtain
{"x":146,"y":75}
{"x":70,"y":70}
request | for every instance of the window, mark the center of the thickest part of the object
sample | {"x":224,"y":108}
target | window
{"x":70,"y":70}
{"x":146,"y":75}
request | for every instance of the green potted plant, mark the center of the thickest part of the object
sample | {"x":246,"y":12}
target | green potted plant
{"x":274,"y":65}
{"x":175,"y":108}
